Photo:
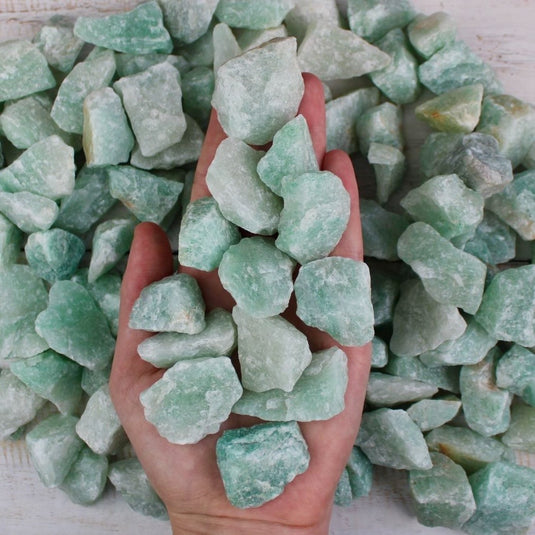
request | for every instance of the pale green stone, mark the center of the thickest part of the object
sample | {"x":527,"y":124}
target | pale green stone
{"x":173,"y":304}
{"x":389,"y":166}
{"x":192,"y":399}
{"x":197,"y":90}
{"x":242,"y":197}
{"x":200,"y":53}
{"x":153,"y":102}
{"x":256,"y":463}
{"x":139,"y":31}
{"x":306,"y":12}
{"x":225,"y":45}
{"x":332,"y":53}
{"x":53,"y":447}
{"x":272,"y":352}
{"x":385,"y":390}
{"x":380,"y":124}
{"x":515,"y":372}
{"x":435,"y":151}
{"x":379,"y":352}
{"x":529,"y":160}
{"x":53,"y":377}
{"x":292,"y":153}
{"x":385,"y":291}
{"x":128,"y":64}
{"x":315,"y":215}
{"x":106,"y":292}
{"x":520,"y":435}
{"x":10,"y":242}
{"x":390,"y":438}
{"x":428,"y":34}
{"x":442,"y":495}
{"x":251,"y":109}
{"x":317,"y":395}
{"x":420,"y":323}
{"x":92,"y":380}
{"x":74,"y":326}
{"x":360,"y":471}
{"x":432,"y":413}
{"x":23,"y":70}
{"x":256,"y":16}
{"x":342,"y":495}
{"x":249,"y":39}
{"x":88,"y":76}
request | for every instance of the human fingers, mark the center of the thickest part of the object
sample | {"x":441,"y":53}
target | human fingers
{"x":313,"y":110}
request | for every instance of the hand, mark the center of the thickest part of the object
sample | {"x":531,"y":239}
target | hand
{"x":186,"y":477}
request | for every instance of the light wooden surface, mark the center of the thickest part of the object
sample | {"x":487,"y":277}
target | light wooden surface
{"x":499,"y":31}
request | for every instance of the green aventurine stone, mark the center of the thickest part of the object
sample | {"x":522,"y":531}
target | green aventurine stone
{"x":147,"y":196}
{"x":10,"y":242}
{"x":291,"y":153}
{"x":258,"y":276}
{"x":515,"y":372}
{"x":53,"y":446}
{"x":450,"y":276}
{"x":28,"y":211}
{"x":130,"y":480}
{"x":240,"y":194}
{"x":256,"y":463}
{"x":200,"y":53}
{"x":385,"y":390}
{"x":92,"y":380}
{"x":219,"y":337}
{"x":342,"y":495}
{"x":88,"y":76}
{"x":332,"y":53}
{"x":153,"y":102}
{"x":529,"y":160}
{"x":385,"y":291}
{"x":225,"y":45}
{"x":272,"y":352}
{"x":317,"y":395}
{"x":506,"y":311}
{"x":381,"y":124}
{"x":342,"y":115}
{"x":431,"y":413}
{"x":251,"y":109}
{"x":435,"y":151}
{"x":259,"y":15}
{"x":85,"y":482}
{"x":198,"y":87}
{"x":389,"y":166}
{"x":499,"y":512}
{"x":128,"y":64}
{"x":360,"y":471}
{"x":428,"y":34}
{"x":442,"y":495}
{"x":52,"y":377}
{"x":390,"y":438}
{"x":334,"y":295}
{"x":520,"y":435}
{"x":308,"y":11}
{"x":315,"y":215}
{"x":205,"y":235}
{"x":192,"y":399}
{"x":379,"y":352}
{"x":106,"y":292}
{"x":140,"y":31}
{"x":74,"y":326}
{"x":249,"y":39}
{"x":23,"y":70}
{"x":173,"y":304}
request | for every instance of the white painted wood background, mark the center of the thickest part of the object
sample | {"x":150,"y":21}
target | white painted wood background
{"x":499,"y":31}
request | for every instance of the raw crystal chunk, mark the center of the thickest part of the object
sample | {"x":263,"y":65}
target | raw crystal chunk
{"x":251,"y":109}
{"x":389,"y":167}
{"x":385,"y":291}
{"x":435,"y":151}
{"x":385,"y":390}
{"x":342,"y":495}
{"x":200,"y":53}
{"x":360,"y":471}
{"x":128,"y":64}
{"x":449,"y":275}
{"x":420,"y":323}
{"x":173,"y":304}
{"x":315,"y":215}
{"x":258,"y":276}
{"x":218,"y":338}
{"x":249,"y":39}
{"x":74,"y":326}
{"x":431,"y":413}
{"x":515,"y":372}
{"x":390,"y":438}
{"x":88,"y":76}
{"x":53,"y":446}
{"x":379,"y":353}
{"x":291,"y":153}
{"x":92,"y":380}
{"x":428,"y":34}
{"x":140,"y":31}
{"x":256,"y":463}
{"x":242,"y":197}
{"x":153,"y":103}
{"x":520,"y":435}
{"x":334,"y":295}
{"x":456,"y":111}
{"x":506,"y":311}
{"x":317,"y":395}
{"x":147,"y":196}
{"x":332,"y":53}
{"x":197,"y":90}
{"x":28,"y":211}
{"x":306,"y":12}
{"x":23,"y":70}
{"x":256,"y":16}
{"x":381,"y":124}
{"x":130,"y":480}
{"x":10,"y":242}
{"x":192,"y":399}
{"x":225,"y":45}
{"x":442,"y":496}
{"x":272,"y":352}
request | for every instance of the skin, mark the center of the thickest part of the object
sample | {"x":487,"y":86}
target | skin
{"x":186,"y":477}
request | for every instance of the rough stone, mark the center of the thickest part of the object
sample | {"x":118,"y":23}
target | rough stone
{"x":385,"y":292}
{"x":428,"y":34}
{"x":225,"y":45}
{"x":432,"y":413}
{"x":380,"y":124}
{"x":10,"y":242}
{"x":379,"y":352}
{"x":515,"y":372}
{"x":385,"y":390}
{"x":197,"y":90}
{"x":389,"y":165}
{"x":258,"y":16}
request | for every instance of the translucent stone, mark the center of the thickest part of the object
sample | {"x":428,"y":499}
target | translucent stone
{"x":385,"y":291}
{"x":128,"y":64}
{"x":249,"y":39}
{"x":291,"y":153}
{"x":272,"y":352}
{"x":74,"y":326}
{"x":360,"y":471}
{"x":389,"y":437}
{"x":332,"y":53}
{"x":315,"y":215}
{"x":10,"y":242}
{"x":250,"y":109}
{"x":53,"y":446}
{"x":432,"y":413}
{"x":428,"y":34}
{"x":192,"y":399}
{"x":520,"y":435}
{"x":380,"y":124}
{"x":260,"y":15}
{"x":153,"y":102}
{"x":225,"y":45}
{"x":256,"y":463}
{"x":242,"y":197}
{"x":92,"y":380}
{"x":317,"y":395}
{"x":389,"y":167}
{"x":435,"y":151}
{"x":23,"y":70}
{"x":385,"y":390}
{"x":139,"y":31}
{"x":197,"y":90}
{"x":450,"y":276}
{"x":200,"y":53}
{"x":442,"y":495}
{"x":334,"y":295}
{"x":306,"y":12}
{"x":342,"y":495}
{"x":379,"y":353}
{"x":88,"y":76}
{"x":515,"y":372}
